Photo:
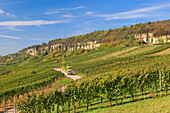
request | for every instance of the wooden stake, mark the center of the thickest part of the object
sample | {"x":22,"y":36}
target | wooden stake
{"x":160,"y":83}
{"x":68,"y":105}
{"x":4,"y":105}
{"x":116,"y":98}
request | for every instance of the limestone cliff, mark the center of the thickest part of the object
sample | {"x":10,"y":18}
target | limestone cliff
{"x":40,"y":48}
{"x":150,"y":38}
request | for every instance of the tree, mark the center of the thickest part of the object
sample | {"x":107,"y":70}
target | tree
{"x":44,"y":44}
{"x":152,"y":40}
{"x":161,"y":41}
{"x":149,"y":23}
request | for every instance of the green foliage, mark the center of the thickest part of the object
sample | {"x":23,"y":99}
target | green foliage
{"x":152,"y":40}
{"x":33,"y":72}
{"x":45,"y":53}
{"x":161,"y":41}
{"x":128,"y":43}
{"x":80,"y":51}
{"x":24,"y":80}
{"x":44,"y":44}
{"x":149,"y":23}
{"x":109,"y":31}
{"x":120,"y":83}
{"x":91,"y":54}
{"x":123,"y":29}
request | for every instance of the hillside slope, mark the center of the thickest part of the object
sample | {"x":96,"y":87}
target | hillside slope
{"x":116,"y":36}
{"x":123,"y":67}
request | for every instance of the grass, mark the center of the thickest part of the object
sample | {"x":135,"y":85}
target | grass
{"x":166,"y":51}
{"x":139,"y":50}
{"x":136,"y":50}
{"x":119,"y":53}
{"x":64,"y":81}
{"x":158,"y":105}
{"x":148,"y":105}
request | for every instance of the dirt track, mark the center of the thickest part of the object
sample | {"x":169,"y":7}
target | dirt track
{"x":74,"y":77}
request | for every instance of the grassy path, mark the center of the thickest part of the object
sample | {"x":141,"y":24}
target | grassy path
{"x":166,"y":51}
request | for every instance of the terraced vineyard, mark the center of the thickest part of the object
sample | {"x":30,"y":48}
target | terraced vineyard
{"x":119,"y":74}
{"x":110,"y":81}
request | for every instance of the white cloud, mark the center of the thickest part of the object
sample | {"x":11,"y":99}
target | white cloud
{"x":127,"y":17}
{"x":30,"y":23}
{"x":63,"y":9}
{"x":14,"y":29}
{"x":52,"y":12}
{"x":75,"y":8}
{"x":12,"y":37}
{"x":6,"y":13}
{"x":133,"y":13}
{"x":89,"y":12}
{"x":68,"y":15}
{"x":85,"y":23}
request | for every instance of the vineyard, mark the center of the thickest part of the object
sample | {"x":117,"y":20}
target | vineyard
{"x":111,"y":85}
{"x":111,"y":76}
{"x":21,"y":80}
{"x":116,"y":81}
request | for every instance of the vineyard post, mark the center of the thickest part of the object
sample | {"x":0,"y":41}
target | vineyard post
{"x":144,"y":92}
{"x":13,"y":104}
{"x":4,"y":105}
{"x":74,"y":106}
{"x":101,"y":99}
{"x":62,"y":109}
{"x":53,"y":107}
{"x":110,"y":101}
{"x":132,"y":96}
{"x":79,"y":104}
{"x":155,"y":88}
{"x":148,"y":89}
{"x":23,"y":96}
{"x":122,"y":100}
{"x":57,"y":108}
{"x":160,"y":83}
{"x":68,"y":105}
{"x":116,"y":98}
{"x":166,"y":89}
{"x":152,"y":90}
{"x":87,"y":106}
{"x":46,"y":89}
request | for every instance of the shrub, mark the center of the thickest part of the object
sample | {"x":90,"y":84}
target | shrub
{"x":149,"y":23}
{"x":161,"y":41}
{"x":152,"y":40}
{"x":33,"y":72}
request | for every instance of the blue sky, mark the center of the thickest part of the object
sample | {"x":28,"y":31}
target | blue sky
{"x":30,"y":22}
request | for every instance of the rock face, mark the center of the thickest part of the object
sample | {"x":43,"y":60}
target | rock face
{"x":33,"y":50}
{"x":149,"y":37}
